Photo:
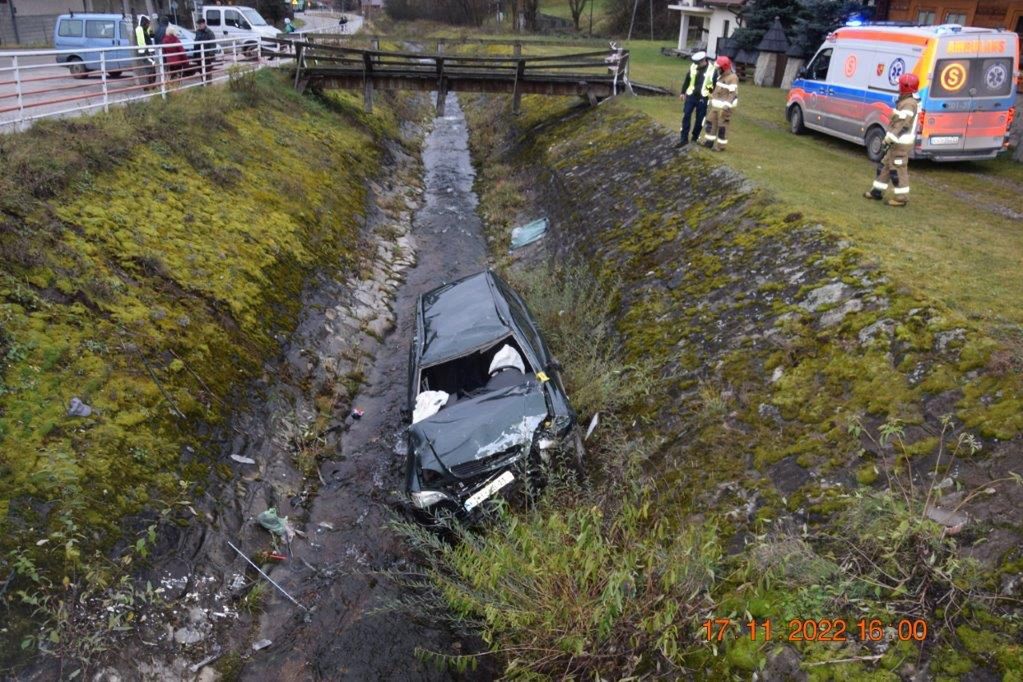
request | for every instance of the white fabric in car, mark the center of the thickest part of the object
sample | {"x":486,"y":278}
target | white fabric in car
{"x":505,"y":358}
{"x":427,"y":404}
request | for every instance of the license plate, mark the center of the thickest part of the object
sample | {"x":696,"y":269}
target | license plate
{"x":488,"y":490}
{"x":945,"y":139}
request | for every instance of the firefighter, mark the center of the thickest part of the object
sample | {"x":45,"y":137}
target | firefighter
{"x":695,"y":91}
{"x":723,"y":98}
{"x":898,"y":143}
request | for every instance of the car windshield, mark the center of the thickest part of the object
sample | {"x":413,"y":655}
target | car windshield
{"x":253,"y":17}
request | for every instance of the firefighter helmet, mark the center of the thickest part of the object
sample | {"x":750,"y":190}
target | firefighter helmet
{"x":724,"y":63}
{"x":908,"y":83}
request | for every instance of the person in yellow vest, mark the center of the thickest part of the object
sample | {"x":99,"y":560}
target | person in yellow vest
{"x":897,"y":145}
{"x":695,"y":91}
{"x":145,"y":67}
{"x":723,"y":98}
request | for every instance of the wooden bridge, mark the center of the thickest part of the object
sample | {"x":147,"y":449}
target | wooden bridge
{"x":594,"y":75}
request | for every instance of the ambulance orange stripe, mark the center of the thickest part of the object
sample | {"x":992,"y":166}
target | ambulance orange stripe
{"x":882,"y":36}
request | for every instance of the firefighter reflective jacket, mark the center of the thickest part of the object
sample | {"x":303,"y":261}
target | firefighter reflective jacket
{"x":726,"y":91}
{"x":902,"y":125}
{"x":693,"y":81}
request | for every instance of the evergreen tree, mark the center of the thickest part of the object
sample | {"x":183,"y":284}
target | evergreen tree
{"x":819,"y":18}
{"x":758,"y":15}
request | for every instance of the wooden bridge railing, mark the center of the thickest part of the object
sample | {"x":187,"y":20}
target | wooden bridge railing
{"x":593,"y":74}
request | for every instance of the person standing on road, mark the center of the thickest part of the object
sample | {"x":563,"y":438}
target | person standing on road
{"x":207,"y":49}
{"x":145,"y":70}
{"x":898,"y":143}
{"x":723,"y":98}
{"x":174,"y":56}
{"x":161,"y":29}
{"x":696,"y":88}
{"x":288,"y":26}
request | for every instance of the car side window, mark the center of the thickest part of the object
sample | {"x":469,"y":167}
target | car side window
{"x":818,"y":69}
{"x":99,"y":29}
{"x":213,"y":18}
{"x":232,"y":18}
{"x":70,"y":28}
{"x":126,"y":32}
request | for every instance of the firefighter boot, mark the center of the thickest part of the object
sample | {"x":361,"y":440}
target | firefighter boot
{"x":897,"y":201}
{"x":873,"y":193}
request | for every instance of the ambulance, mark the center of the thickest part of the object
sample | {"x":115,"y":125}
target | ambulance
{"x":967,"y":88}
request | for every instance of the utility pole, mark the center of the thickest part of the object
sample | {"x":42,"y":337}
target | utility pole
{"x":632,"y":23}
{"x":651,"y":19}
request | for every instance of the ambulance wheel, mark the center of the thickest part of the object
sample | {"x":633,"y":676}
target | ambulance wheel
{"x":796,"y":126}
{"x":874,"y":141}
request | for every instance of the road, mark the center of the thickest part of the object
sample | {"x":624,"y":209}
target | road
{"x":48,"y":90}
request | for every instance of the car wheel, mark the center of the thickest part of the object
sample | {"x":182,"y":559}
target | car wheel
{"x":796,"y":126}
{"x":873,"y":141}
{"x":76,"y":67}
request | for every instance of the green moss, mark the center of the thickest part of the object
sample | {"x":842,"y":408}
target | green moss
{"x":867,"y":474}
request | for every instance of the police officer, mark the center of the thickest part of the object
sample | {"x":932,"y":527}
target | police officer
{"x":695,"y":90}
{"x":723,"y":98}
{"x":898,"y":143}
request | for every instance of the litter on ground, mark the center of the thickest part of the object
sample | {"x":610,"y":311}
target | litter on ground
{"x":528,"y":233}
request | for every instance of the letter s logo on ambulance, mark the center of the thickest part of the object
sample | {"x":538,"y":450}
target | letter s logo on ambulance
{"x":850,"y":66}
{"x":896,"y":69}
{"x":953,"y":77}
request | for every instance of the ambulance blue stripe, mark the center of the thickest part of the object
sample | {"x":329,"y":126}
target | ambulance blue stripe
{"x":841,"y":92}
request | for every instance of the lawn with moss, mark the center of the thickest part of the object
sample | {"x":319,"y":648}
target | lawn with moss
{"x":959,"y":240}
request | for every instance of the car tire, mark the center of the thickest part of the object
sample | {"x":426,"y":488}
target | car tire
{"x":796,"y":126}
{"x":76,"y":66}
{"x":873,"y":141}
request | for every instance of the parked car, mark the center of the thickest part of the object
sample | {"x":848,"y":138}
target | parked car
{"x":966,"y":92}
{"x":82,"y":31}
{"x":238,"y":22}
{"x":486,"y":403}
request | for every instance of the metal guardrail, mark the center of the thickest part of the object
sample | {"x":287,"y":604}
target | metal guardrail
{"x":37,"y":84}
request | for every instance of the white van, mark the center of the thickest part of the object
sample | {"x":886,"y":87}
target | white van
{"x":244,"y":23}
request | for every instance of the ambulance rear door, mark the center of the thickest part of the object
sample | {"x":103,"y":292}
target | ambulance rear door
{"x":970,"y":94}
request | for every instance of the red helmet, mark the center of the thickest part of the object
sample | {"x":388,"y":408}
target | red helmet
{"x":908,"y":82}
{"x":724,"y":63}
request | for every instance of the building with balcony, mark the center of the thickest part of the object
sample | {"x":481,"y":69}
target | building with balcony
{"x":704,"y":22}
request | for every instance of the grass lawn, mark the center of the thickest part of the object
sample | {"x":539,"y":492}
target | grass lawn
{"x":960,"y":239}
{"x":560,"y":8}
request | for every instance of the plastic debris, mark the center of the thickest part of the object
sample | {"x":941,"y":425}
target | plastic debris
{"x":528,"y":233}
{"x":278,"y":525}
{"x":427,"y":404}
{"x":243,"y":460}
{"x":326,"y":525}
{"x":593,"y":425}
{"x":78,"y":408}
{"x":267,"y":556}
{"x":261,"y":644}
{"x":357,"y":413}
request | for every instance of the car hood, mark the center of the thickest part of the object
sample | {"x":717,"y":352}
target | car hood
{"x":481,"y":426}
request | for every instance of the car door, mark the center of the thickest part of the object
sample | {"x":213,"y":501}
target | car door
{"x":844,"y":95}
{"x":815,"y":86}
{"x":99,"y":33}
{"x":122,"y":59}
{"x":70,"y":36}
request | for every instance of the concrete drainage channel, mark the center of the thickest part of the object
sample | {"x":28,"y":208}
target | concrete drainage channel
{"x":299,"y":448}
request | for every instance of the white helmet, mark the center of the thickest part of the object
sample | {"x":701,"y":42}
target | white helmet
{"x":699,"y":56}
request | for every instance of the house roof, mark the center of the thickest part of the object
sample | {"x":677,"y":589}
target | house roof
{"x":774,"y":40}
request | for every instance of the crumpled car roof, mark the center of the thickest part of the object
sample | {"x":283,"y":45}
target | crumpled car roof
{"x":461,"y":317}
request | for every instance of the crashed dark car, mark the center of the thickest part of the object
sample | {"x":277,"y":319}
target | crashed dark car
{"x":485,"y":400}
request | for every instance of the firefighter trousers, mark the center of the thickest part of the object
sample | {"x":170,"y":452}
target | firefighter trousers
{"x":716,"y":129}
{"x":894,"y":170}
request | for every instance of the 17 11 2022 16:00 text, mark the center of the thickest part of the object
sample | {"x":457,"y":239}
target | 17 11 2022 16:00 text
{"x":818,"y":629}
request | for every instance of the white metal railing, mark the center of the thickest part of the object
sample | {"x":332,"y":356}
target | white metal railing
{"x":36,"y":84}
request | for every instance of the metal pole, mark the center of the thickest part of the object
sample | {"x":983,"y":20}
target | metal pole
{"x":103,"y":78}
{"x":14,"y":21}
{"x":269,"y":579}
{"x":651,"y":19}
{"x":591,"y":18}
{"x":632,"y":23}
{"x":162,"y":71}
{"x":17,"y":89}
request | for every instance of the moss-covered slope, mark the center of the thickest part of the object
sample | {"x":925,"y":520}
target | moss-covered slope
{"x":149,"y":260}
{"x":795,"y":381}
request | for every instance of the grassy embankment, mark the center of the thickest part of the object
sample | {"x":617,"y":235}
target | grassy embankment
{"x":149,"y":258}
{"x":605,"y":580}
{"x":958,"y":241}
